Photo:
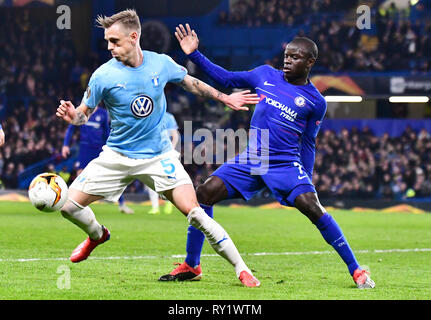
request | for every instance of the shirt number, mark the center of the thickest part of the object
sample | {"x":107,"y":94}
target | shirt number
{"x":168,"y":166}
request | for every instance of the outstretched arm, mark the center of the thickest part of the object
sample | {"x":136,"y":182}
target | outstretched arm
{"x":235,"y":101}
{"x":76,"y":116}
{"x":189,"y":43}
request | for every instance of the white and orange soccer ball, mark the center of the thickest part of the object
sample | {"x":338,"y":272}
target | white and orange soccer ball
{"x":48,"y":192}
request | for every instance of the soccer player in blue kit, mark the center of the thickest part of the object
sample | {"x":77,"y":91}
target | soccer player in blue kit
{"x":92,"y":137}
{"x":291,"y":110}
{"x":131,"y":86}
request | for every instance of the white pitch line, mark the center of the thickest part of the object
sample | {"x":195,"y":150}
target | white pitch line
{"x":216,"y":255}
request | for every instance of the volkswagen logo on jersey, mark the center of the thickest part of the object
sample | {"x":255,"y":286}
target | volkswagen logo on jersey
{"x":142,"y":106}
{"x":300,"y":101}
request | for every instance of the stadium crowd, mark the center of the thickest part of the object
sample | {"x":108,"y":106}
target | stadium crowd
{"x":255,"y":13}
{"x":32,"y":82}
{"x":358,"y":164}
{"x":398,"y":44}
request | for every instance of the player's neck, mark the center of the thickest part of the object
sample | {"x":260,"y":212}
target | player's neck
{"x":137,"y":58}
{"x":301,"y":81}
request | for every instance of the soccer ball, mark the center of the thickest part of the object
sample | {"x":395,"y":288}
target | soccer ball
{"x":48,"y":192}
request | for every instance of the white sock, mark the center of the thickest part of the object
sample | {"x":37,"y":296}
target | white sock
{"x":154,"y":198}
{"x":217,"y":238}
{"x":83,"y":217}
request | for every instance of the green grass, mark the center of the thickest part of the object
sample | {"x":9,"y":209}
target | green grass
{"x":142,"y":246}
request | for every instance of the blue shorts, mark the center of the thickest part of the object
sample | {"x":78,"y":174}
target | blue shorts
{"x":86,"y":155}
{"x":286,"y":180}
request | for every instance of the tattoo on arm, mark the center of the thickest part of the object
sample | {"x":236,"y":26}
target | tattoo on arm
{"x":200,"y":88}
{"x":80,"y":118}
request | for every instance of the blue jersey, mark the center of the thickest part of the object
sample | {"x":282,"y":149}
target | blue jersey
{"x":94,"y":133}
{"x":285,"y":124}
{"x":135,"y":100}
{"x":291,"y":114}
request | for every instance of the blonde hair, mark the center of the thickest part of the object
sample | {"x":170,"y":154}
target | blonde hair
{"x":128,"y":18}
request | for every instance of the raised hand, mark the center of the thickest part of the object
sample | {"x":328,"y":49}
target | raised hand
{"x":237,"y":100}
{"x":187,"y":38}
{"x":66,"y":110}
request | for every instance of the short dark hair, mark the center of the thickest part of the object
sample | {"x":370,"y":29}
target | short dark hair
{"x":309,"y":46}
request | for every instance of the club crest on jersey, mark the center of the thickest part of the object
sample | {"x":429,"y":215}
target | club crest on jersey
{"x":142,"y":106}
{"x":155,"y":79}
{"x":300,"y":101}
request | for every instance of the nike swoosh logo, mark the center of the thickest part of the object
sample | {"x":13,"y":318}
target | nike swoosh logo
{"x":300,"y":178}
{"x":266,"y":83}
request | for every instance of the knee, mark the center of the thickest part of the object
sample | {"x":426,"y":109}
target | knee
{"x":212,"y":191}
{"x":196,"y":217}
{"x":310,"y":206}
{"x":69,"y":208}
{"x":203,"y":193}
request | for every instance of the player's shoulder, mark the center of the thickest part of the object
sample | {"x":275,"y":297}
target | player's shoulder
{"x":105,"y":68}
{"x":316,"y":95}
{"x":263,"y":68}
{"x":151,"y":55}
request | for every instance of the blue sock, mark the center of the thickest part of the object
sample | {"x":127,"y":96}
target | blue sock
{"x":121,"y":200}
{"x":195,"y":241}
{"x":333,"y":235}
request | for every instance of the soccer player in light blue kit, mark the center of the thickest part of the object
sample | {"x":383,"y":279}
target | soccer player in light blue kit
{"x":92,"y":137}
{"x":291,"y":111}
{"x":132,"y":88}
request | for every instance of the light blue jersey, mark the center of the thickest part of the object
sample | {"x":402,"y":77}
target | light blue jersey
{"x":170,"y":122}
{"x":135,"y":100}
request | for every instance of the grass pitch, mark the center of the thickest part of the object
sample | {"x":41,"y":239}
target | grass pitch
{"x":284,"y":250}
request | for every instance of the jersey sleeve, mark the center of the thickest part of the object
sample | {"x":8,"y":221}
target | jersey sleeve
{"x":94,"y":93}
{"x":227,"y":79}
{"x":176,"y":72}
{"x":308,"y":144}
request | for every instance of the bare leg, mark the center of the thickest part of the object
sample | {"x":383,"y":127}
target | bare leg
{"x":184,"y":198}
